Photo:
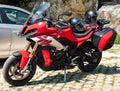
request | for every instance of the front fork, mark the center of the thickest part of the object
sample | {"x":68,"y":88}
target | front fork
{"x":27,"y":56}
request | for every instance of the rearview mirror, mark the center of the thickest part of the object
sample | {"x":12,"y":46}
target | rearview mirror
{"x":67,"y":13}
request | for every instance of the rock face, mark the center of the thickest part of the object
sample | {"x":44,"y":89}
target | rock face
{"x":111,"y":13}
{"x":78,"y":7}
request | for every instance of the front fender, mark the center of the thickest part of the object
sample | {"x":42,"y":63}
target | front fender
{"x":24,"y":56}
{"x":17,"y":54}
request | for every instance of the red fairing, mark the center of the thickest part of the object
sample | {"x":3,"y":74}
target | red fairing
{"x":24,"y":60}
{"x":67,"y":33}
{"x":51,"y":30}
{"x":47,"y":59}
{"x":104,"y":40}
{"x":41,"y":28}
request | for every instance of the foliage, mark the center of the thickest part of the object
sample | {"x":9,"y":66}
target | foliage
{"x":19,"y":3}
{"x":10,"y":2}
{"x":117,"y":41}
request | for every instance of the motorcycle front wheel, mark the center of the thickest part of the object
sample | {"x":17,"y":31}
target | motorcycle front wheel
{"x":90,"y":59}
{"x":12,"y":73}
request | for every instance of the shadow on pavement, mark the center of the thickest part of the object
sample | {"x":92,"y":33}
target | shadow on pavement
{"x":2,"y":62}
{"x":71,"y":76}
{"x":77,"y":76}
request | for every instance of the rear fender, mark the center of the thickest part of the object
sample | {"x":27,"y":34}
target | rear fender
{"x":24,"y":56}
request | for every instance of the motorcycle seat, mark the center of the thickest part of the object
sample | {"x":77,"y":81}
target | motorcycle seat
{"x":81,"y":34}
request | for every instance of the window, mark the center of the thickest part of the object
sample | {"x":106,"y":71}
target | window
{"x":0,"y":19}
{"x":15,"y":16}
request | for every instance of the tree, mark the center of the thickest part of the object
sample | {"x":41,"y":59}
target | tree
{"x":15,"y":2}
{"x":19,"y":3}
{"x":10,"y":2}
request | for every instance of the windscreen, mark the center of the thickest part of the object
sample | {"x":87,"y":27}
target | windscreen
{"x":50,"y":9}
{"x":39,"y":10}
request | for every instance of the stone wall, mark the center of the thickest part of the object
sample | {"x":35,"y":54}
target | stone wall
{"x":112,"y":13}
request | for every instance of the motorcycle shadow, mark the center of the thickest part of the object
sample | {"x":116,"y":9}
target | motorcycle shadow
{"x":2,"y":61}
{"x":77,"y":76}
{"x":58,"y":78}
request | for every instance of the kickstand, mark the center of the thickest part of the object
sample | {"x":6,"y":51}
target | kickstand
{"x":65,"y":73}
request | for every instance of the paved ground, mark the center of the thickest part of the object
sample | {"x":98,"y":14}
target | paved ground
{"x":105,"y":78}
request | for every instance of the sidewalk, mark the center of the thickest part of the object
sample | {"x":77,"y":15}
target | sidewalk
{"x":105,"y":78}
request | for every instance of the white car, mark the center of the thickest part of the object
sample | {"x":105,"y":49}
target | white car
{"x":11,"y":21}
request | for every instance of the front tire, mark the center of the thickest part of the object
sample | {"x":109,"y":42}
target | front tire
{"x":90,"y":59}
{"x":12,"y":73}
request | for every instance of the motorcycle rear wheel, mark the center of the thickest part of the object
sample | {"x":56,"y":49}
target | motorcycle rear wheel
{"x":90,"y":60}
{"x":12,"y":73}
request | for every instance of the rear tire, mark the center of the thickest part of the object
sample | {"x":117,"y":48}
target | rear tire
{"x":12,"y":74}
{"x":90,"y":59}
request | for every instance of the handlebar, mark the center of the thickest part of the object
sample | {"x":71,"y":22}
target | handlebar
{"x":58,"y":23}
{"x":62,"y":24}
{"x":102,"y":22}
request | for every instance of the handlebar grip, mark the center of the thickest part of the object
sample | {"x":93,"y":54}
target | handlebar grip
{"x":103,"y":21}
{"x":66,"y":24}
{"x":106,"y":22}
{"x":58,"y":23}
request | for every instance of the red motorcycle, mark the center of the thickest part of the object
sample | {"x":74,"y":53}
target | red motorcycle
{"x":55,"y":44}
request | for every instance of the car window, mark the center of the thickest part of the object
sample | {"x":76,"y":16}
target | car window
{"x":16,"y":16}
{"x":0,"y":19}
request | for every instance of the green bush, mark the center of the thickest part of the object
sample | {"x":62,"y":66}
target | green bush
{"x":117,"y":41}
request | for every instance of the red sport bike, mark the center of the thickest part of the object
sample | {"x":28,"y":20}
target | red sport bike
{"x":55,"y":44}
